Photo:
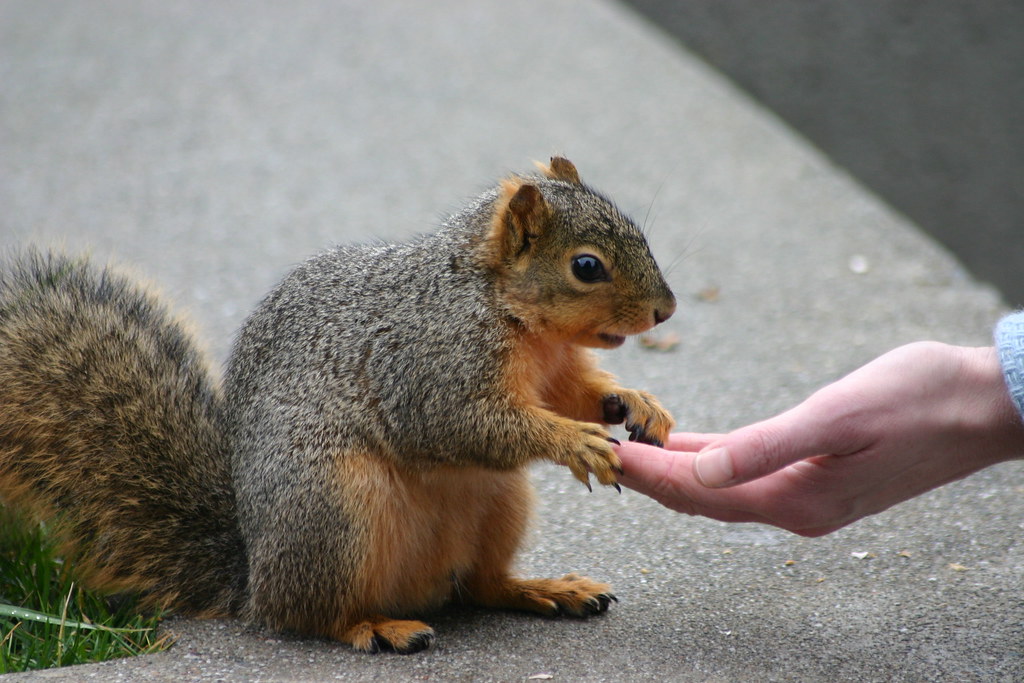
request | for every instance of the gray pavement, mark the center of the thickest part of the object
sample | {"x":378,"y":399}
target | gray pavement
{"x":921,"y":102}
{"x":212,"y":145}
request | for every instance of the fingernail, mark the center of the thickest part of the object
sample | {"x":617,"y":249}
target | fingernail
{"x":714,"y":467}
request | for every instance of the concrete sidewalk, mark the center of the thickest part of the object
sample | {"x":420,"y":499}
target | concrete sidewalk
{"x":213,"y":145}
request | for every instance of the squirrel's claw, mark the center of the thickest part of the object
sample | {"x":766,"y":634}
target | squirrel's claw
{"x":603,"y":602}
{"x":581,"y":474}
{"x":637,"y":432}
{"x":421,"y":641}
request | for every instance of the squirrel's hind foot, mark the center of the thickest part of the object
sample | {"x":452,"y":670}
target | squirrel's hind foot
{"x":572,"y":595}
{"x":381,"y":634}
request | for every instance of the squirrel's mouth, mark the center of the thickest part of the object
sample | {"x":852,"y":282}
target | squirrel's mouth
{"x":613,"y":341}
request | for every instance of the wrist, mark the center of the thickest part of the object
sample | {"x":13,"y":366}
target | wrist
{"x":992,"y":409}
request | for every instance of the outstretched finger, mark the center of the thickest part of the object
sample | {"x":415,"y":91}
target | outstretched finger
{"x":805,"y":431}
{"x":690,"y":442}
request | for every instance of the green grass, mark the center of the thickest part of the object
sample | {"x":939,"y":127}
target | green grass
{"x":47,"y":620}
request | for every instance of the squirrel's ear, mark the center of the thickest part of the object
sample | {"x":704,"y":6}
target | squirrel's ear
{"x":519,"y":219}
{"x":560,"y":169}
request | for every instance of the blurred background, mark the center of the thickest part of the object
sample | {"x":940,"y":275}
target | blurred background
{"x":923,"y":102}
{"x":209,"y":146}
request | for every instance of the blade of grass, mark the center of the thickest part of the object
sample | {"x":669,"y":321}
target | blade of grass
{"x":15,"y":612}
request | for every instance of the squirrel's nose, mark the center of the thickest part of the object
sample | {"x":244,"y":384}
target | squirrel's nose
{"x":664,"y":313}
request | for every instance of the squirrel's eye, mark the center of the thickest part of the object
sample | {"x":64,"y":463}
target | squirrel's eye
{"x":588,"y":268}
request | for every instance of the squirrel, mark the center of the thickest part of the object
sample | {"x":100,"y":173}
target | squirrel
{"x":364,"y":459}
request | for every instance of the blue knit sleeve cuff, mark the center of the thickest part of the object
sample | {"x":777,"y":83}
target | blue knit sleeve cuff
{"x":1010,"y":343}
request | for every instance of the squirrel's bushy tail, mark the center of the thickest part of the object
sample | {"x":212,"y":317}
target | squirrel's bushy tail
{"x":111,"y":424}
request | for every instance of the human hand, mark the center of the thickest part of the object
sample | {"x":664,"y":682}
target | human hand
{"x":913,"y":419}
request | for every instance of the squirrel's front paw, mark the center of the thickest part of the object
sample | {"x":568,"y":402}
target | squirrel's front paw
{"x":645,"y":419}
{"x":588,"y":450}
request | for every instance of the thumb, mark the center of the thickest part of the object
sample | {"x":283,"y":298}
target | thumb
{"x":759,"y":449}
